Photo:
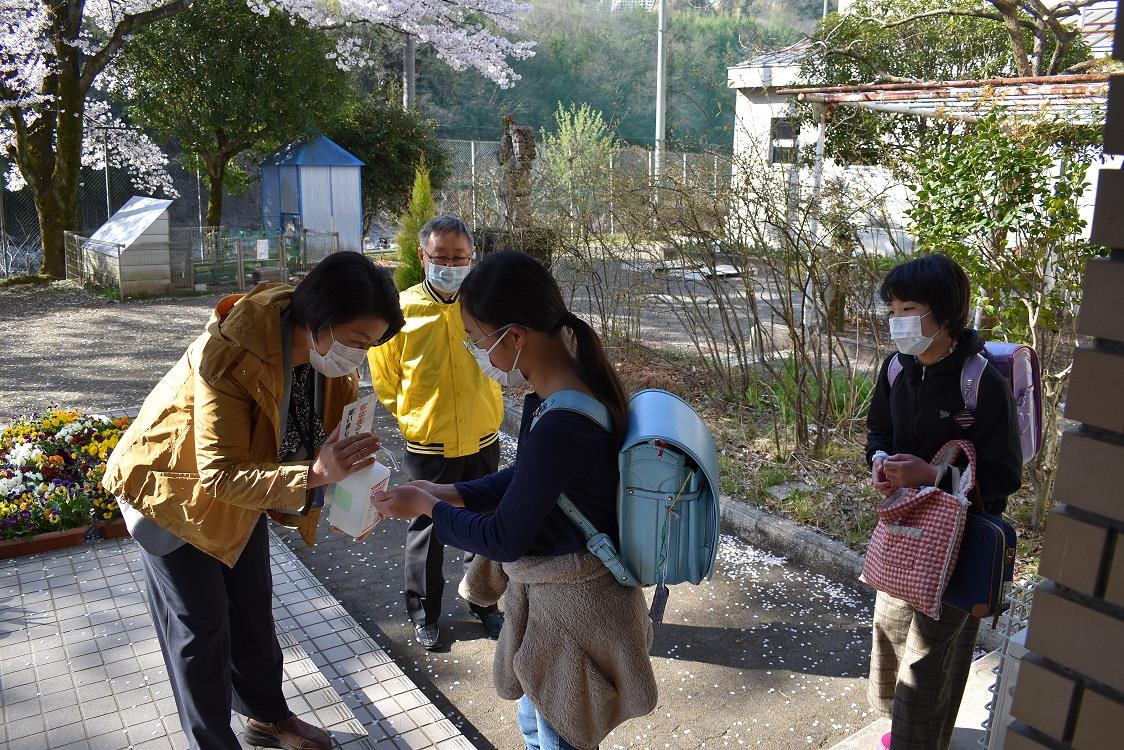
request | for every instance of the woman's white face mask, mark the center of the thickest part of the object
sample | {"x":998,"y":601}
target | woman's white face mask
{"x":339,"y":361}
{"x":907,"y":334}
{"x":512,"y":378}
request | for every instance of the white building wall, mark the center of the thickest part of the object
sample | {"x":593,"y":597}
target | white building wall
{"x":146,"y":265}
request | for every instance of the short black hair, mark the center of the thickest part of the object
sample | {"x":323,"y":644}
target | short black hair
{"x":343,"y":287}
{"x":442,"y":225}
{"x":935,"y":280}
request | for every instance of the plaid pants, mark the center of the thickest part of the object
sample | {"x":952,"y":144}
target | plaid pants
{"x":918,"y":669}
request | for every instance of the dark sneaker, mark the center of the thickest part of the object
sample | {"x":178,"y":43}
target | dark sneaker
{"x":492,"y":622}
{"x":287,"y":734}
{"x":427,"y":636}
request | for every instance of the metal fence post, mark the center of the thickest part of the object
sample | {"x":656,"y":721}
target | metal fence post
{"x":472,"y":170}
{"x":612,"y":207}
{"x":238,"y":264}
{"x":120,"y":276}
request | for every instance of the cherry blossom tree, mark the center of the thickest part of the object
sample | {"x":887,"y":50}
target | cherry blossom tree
{"x":52,"y":53}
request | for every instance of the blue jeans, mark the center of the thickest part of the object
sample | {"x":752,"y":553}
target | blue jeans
{"x":537,"y":734}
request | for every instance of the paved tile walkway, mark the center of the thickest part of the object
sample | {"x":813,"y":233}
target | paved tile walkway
{"x":80,"y":665}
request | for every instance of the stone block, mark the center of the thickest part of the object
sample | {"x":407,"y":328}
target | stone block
{"x":1073,"y":553}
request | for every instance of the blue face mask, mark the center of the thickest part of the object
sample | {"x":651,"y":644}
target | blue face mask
{"x":446,"y":279}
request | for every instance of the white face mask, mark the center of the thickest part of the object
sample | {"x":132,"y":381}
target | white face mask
{"x":339,"y":361}
{"x":906,"y":333}
{"x":513,"y":378}
{"x":446,"y":279}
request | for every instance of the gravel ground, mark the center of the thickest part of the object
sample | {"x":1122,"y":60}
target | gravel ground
{"x":765,"y":655}
{"x":60,"y":344}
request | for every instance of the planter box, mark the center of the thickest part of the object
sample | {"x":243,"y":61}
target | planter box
{"x":52,"y":540}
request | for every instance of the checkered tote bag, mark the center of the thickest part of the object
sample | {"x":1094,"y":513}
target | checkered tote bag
{"x":914,"y":547}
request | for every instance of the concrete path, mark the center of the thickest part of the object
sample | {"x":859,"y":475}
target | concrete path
{"x":81,"y":669}
{"x":766,"y":655}
{"x":969,"y":731}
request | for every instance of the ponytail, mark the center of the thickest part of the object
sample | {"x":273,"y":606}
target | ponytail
{"x":598,"y":373}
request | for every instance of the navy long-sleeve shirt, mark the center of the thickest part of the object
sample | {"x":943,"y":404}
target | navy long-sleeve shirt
{"x":515,"y":512}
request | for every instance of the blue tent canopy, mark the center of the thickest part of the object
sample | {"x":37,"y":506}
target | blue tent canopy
{"x":321,"y":151}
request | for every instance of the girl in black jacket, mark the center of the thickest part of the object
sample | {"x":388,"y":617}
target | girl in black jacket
{"x":919,"y":666}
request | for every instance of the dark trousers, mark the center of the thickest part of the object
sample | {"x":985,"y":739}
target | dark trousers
{"x":425,"y":556}
{"x":215,"y":626}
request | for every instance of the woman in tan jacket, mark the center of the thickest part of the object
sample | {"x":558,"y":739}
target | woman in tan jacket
{"x":246,"y":422}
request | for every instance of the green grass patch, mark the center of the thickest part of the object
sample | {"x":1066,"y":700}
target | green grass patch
{"x":26,"y":280}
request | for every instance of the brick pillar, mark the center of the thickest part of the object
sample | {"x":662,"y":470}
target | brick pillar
{"x":1070,"y":692}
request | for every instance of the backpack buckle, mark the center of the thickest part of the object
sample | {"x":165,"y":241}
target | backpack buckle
{"x":602,"y":547}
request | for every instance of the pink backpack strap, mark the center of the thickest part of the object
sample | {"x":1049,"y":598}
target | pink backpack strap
{"x":970,"y":376}
{"x":894,"y":370}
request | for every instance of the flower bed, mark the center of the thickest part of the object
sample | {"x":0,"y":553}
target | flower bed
{"x":50,"y":472}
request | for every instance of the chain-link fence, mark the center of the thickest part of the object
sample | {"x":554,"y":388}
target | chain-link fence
{"x":472,"y":189}
{"x":196,"y":260}
{"x":101,"y":192}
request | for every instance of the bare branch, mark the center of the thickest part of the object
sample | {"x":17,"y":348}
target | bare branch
{"x":942,"y":12}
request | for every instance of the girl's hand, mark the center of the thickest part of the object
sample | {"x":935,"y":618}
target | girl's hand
{"x":404,"y":503}
{"x":425,"y":486}
{"x":339,"y":458}
{"x":905,"y":470}
{"x":878,"y":478}
{"x":446,"y":492}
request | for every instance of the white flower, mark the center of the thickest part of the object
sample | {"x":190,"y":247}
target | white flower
{"x":22,"y":453}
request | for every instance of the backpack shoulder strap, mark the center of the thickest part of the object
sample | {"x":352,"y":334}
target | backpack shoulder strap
{"x":575,"y":401}
{"x":894,"y":370}
{"x":970,"y":375}
{"x":598,"y":543}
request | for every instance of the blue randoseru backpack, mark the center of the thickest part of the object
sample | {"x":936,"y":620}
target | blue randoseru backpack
{"x":668,"y":496}
{"x":1018,"y":363}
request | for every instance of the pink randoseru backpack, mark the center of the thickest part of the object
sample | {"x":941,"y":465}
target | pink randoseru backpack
{"x":1018,"y":363}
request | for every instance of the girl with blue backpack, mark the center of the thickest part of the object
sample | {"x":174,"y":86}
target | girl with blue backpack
{"x":577,"y":661}
{"x":919,"y":666}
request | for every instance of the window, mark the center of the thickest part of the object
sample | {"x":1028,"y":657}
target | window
{"x":782,"y":140}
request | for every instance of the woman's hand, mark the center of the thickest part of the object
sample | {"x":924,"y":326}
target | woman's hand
{"x":404,"y":503}
{"x":905,"y":470}
{"x":339,"y":458}
{"x":878,"y":476}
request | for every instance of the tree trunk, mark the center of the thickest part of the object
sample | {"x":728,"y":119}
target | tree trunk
{"x":1047,"y":460}
{"x":55,"y":218}
{"x":1010,"y":12}
{"x":216,"y":173}
{"x":51,"y":160}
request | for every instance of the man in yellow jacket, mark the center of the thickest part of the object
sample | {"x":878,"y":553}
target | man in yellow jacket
{"x":449,"y":411}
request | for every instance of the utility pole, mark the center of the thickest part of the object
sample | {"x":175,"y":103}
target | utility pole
{"x":661,"y":90}
{"x":408,"y":74}
{"x":105,"y":157}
